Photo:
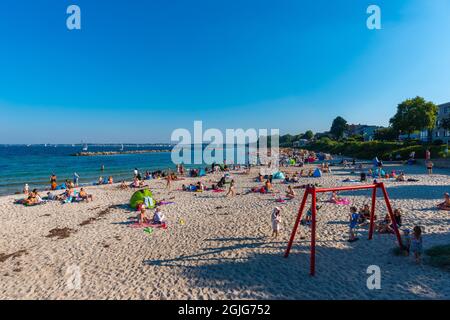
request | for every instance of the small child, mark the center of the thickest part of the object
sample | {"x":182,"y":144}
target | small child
{"x":26,"y":189}
{"x":142,"y":217}
{"x":406,"y":241}
{"x":308,"y":218}
{"x":354,"y":216}
{"x":158,"y":217}
{"x":416,"y":243}
{"x":276,"y":221}
{"x":231,"y":190}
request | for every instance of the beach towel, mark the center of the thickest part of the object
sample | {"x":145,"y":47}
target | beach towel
{"x":164,"y":203}
{"x":340,"y":202}
{"x":136,"y":225}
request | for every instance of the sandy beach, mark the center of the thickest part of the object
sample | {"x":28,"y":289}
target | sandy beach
{"x":223,"y":250}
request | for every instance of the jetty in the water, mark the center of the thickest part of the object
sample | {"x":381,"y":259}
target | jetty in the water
{"x":111,"y":153}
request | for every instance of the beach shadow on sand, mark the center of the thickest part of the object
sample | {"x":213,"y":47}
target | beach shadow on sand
{"x":268,"y":275}
{"x":427,"y":192}
{"x":405,"y":192}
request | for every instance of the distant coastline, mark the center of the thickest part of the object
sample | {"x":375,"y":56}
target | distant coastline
{"x":110,"y":153}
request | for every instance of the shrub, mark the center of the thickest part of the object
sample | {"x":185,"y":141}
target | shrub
{"x":439,"y":256}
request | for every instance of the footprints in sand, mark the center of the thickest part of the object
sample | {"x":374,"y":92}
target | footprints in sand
{"x":60,"y":233}
{"x":107,"y":245}
{"x":17,"y":254}
{"x":102,"y":213}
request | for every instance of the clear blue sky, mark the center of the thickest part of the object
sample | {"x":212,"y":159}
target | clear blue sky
{"x":139,"y":69}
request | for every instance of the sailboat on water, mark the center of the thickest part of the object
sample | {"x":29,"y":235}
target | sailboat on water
{"x":121,"y":149}
{"x":85,"y":147}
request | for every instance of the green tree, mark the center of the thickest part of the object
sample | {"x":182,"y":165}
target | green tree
{"x":385,"y":134}
{"x":415,"y":115}
{"x":308,"y":135}
{"x":338,"y":127}
{"x":445,"y":123}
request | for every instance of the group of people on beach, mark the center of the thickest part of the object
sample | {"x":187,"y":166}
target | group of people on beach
{"x":157,"y":218}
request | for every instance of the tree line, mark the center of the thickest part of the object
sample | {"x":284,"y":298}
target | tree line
{"x":416,"y":114}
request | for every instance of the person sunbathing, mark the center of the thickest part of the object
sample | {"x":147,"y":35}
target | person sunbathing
{"x":385,"y":225}
{"x":446,"y":204}
{"x":290,"y":193}
{"x":335,"y":198}
{"x":123,"y":185}
{"x":401,"y":177}
{"x":33,"y":198}
{"x":135,"y":183}
{"x":110,"y":180}
{"x":268,"y":186}
{"x":52,"y":196}
{"x":200,"y":186}
{"x":84,"y":196}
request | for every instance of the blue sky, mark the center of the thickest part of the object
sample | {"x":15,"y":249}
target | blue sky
{"x":139,"y":69}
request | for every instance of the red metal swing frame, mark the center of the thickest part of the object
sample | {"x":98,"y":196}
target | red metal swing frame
{"x":313,"y":191}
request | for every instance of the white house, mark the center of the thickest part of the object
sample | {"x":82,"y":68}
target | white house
{"x":438,"y":133}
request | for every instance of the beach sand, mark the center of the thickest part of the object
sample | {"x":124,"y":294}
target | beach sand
{"x":222,"y":251}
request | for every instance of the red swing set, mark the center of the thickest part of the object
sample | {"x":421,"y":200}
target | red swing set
{"x":313,"y":191}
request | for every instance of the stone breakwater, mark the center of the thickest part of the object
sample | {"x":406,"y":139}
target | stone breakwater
{"x":110,"y":153}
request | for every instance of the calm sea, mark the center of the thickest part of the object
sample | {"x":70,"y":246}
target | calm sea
{"x":20,"y":164}
{"x":34,"y":164}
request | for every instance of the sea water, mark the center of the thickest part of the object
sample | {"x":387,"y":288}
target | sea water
{"x":34,"y":164}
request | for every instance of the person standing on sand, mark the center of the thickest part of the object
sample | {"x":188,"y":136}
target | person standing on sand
{"x":75,"y":179}
{"x":169,"y":181}
{"x":416,"y":243}
{"x":26,"y":189}
{"x":353,"y":224}
{"x":427,"y":155}
{"x":276,"y":221}
{"x":53,"y":183}
{"x":430,"y":166}
{"x":231,"y":190}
